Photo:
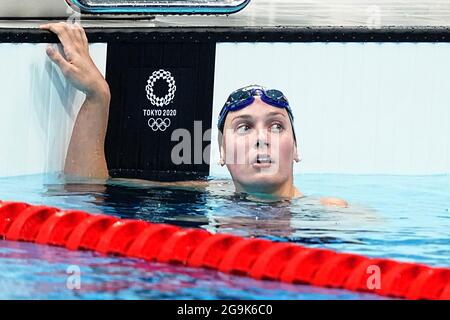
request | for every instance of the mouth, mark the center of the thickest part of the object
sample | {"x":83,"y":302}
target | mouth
{"x":263,"y":158}
{"x":263,"y":161}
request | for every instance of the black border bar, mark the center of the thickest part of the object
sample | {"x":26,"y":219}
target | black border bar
{"x":239,"y":34}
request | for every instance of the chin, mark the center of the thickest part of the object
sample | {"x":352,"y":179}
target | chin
{"x":259,"y":180}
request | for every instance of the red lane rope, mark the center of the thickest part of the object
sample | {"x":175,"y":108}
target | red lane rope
{"x":256,"y":258}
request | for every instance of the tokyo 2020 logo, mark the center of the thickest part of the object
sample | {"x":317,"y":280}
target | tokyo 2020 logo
{"x":168,"y":98}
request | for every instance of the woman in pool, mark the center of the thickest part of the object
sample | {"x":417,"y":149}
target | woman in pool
{"x":258,"y":145}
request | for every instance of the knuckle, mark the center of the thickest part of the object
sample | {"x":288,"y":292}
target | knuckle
{"x":66,"y":70}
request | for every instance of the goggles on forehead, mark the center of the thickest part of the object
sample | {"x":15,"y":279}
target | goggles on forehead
{"x":244,"y":97}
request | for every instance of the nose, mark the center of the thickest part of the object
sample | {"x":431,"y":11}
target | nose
{"x":262,"y":139}
{"x":261,"y":143}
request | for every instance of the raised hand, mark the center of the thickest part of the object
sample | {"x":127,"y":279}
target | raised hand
{"x":86,"y":154}
{"x":74,"y":61}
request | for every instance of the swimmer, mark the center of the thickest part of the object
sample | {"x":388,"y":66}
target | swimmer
{"x":257,"y":144}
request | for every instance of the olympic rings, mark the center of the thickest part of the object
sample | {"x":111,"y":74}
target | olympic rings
{"x":159,"y":124}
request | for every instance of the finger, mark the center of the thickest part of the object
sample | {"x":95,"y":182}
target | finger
{"x":81,"y":35}
{"x":74,"y":29}
{"x":51,"y":26}
{"x":46,"y":26}
{"x":62,"y":30}
{"x":57,"y":58}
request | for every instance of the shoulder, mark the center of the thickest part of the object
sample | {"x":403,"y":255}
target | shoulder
{"x":330,"y":201}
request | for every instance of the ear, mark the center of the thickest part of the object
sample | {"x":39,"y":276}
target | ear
{"x":222,"y":155}
{"x":296,"y":156}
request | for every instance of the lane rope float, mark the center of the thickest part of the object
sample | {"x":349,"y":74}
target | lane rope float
{"x":256,"y":258}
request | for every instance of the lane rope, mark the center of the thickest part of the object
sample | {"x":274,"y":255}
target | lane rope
{"x":256,"y":258}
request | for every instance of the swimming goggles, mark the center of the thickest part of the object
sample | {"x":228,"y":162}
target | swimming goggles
{"x":244,"y":97}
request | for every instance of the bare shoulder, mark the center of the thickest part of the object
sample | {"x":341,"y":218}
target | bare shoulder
{"x":330,"y":201}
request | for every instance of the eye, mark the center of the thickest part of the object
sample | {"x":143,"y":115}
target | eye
{"x":276,"y":127}
{"x":242,"y":129}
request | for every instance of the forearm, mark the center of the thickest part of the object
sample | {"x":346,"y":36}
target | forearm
{"x":86,"y":155}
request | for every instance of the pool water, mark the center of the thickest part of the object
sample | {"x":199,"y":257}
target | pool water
{"x":400,"y":217}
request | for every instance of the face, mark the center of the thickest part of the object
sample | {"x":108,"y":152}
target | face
{"x":259,"y":148}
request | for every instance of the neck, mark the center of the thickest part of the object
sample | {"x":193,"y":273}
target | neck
{"x":286,"y":190}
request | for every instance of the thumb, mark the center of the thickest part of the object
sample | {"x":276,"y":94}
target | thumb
{"x":57,"y":58}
